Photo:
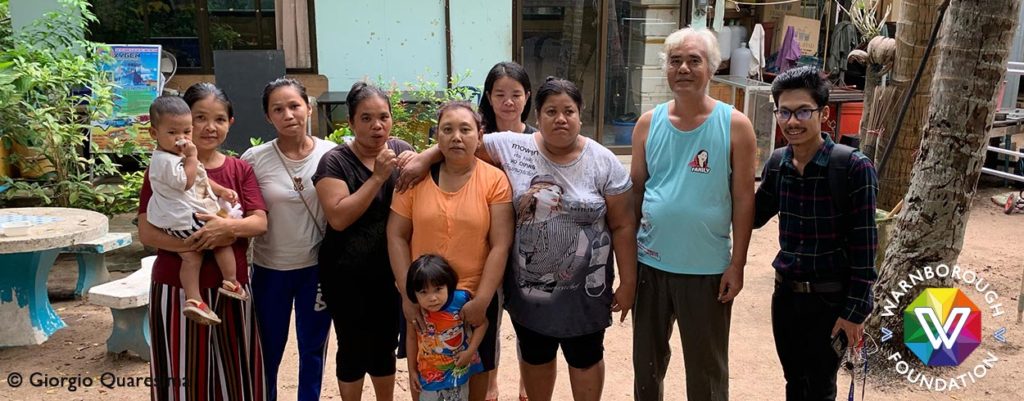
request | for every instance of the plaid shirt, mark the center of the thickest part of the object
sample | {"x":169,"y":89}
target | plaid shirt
{"x":811,"y":240}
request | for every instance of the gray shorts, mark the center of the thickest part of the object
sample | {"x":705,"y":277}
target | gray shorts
{"x":460,"y":393}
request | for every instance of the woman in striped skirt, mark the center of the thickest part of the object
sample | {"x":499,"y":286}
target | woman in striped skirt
{"x":190,"y":361}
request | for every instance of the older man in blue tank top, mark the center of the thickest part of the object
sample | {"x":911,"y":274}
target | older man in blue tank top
{"x":693,"y":172}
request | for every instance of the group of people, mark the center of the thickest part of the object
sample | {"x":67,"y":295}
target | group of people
{"x":498,"y":216}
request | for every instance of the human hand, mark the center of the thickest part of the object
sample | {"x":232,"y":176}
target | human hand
{"x":187,"y":148}
{"x":215,"y":233}
{"x":385,"y":164}
{"x":853,"y":331}
{"x":414,"y":377}
{"x":731,"y":284}
{"x":229,"y":195}
{"x":462,"y":359}
{"x":474,"y":312}
{"x":414,"y":169}
{"x":414,"y":315}
{"x":405,"y":157}
{"x":623,"y":299}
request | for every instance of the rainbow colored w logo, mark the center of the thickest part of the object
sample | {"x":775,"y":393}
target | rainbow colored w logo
{"x":942,"y":327}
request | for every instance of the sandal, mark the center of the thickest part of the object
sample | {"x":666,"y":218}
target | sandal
{"x":199,"y":312}
{"x":233,"y":290}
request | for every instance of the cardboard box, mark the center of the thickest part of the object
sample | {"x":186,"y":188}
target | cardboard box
{"x":807,"y":31}
{"x":724,"y":92}
{"x":775,"y":12}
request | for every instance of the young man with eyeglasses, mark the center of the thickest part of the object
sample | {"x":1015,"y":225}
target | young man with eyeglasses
{"x":826,"y":265}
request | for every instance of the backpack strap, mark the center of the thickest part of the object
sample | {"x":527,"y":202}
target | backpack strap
{"x":839,"y":185}
{"x":838,"y":176}
{"x":838,"y":173}
{"x":838,"y":180}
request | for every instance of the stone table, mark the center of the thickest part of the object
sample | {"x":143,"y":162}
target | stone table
{"x":25,"y":262}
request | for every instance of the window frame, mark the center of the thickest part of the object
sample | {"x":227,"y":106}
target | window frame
{"x":202,"y":24}
{"x":685,"y":11}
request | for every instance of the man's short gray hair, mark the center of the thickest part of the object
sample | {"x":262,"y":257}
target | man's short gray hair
{"x":703,"y":36}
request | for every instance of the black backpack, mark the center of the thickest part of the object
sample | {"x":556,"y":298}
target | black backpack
{"x":838,"y":178}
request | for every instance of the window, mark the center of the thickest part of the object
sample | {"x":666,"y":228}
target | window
{"x":193,"y":29}
{"x":609,"y":48}
{"x":634,"y":81}
{"x":561,"y":38}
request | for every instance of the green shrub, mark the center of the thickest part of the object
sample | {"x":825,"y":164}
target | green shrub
{"x":412,"y":121}
{"x":51,"y":87}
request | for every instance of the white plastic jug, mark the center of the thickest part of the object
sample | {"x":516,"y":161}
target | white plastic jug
{"x":740,"y":63}
{"x":725,"y":42}
{"x":739,"y":35}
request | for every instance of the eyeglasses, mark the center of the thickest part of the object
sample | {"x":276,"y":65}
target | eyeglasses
{"x":801,"y":115}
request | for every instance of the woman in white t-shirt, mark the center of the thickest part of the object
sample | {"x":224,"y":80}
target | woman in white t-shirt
{"x":285,"y":271}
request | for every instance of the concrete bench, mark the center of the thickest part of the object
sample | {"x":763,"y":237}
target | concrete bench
{"x":92,"y":267}
{"x":128,"y":300}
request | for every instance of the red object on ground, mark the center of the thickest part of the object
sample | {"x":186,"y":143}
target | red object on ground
{"x":849,"y":118}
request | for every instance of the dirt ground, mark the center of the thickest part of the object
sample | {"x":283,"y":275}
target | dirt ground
{"x":990,"y":248}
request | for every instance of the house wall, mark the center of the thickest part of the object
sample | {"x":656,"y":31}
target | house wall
{"x":481,"y":37}
{"x":23,"y":12}
{"x":404,"y":40}
{"x":315,"y":85}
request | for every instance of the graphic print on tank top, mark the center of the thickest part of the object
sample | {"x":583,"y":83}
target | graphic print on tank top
{"x":699,"y":164}
{"x":562,"y":242}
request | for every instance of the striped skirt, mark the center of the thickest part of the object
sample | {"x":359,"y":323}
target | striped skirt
{"x":190,"y":361}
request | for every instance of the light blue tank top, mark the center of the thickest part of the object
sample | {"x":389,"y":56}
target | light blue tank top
{"x":687,"y":209}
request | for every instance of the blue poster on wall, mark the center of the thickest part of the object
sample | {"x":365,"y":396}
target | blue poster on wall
{"x":135,"y":71}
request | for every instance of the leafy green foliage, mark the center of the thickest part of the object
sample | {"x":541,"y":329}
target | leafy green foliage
{"x":125,"y":21}
{"x":5,"y":25}
{"x":51,"y":87}
{"x":412,"y":121}
{"x":339,"y":135}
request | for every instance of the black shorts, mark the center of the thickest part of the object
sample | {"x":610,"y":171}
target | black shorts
{"x":580,"y":352}
{"x":365,"y":314}
{"x":489,"y":347}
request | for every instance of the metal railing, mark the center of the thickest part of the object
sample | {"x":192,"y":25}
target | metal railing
{"x":1003,"y":174}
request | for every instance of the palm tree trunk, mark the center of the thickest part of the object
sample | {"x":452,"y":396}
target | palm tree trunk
{"x":972,"y":52}
{"x":913,"y":30}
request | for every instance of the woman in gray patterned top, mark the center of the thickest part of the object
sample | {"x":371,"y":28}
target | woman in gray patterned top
{"x":573,"y":208}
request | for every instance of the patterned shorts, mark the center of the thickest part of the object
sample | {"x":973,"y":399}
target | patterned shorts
{"x":184,"y":234}
{"x":460,"y":393}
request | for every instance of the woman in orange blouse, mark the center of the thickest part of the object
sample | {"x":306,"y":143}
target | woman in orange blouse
{"x":464,"y":214}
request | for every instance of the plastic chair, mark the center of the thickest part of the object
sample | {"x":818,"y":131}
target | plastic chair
{"x":168,"y":66}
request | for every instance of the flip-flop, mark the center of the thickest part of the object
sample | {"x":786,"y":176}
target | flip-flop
{"x":1011,"y":203}
{"x":199,"y":312}
{"x":233,"y":290}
